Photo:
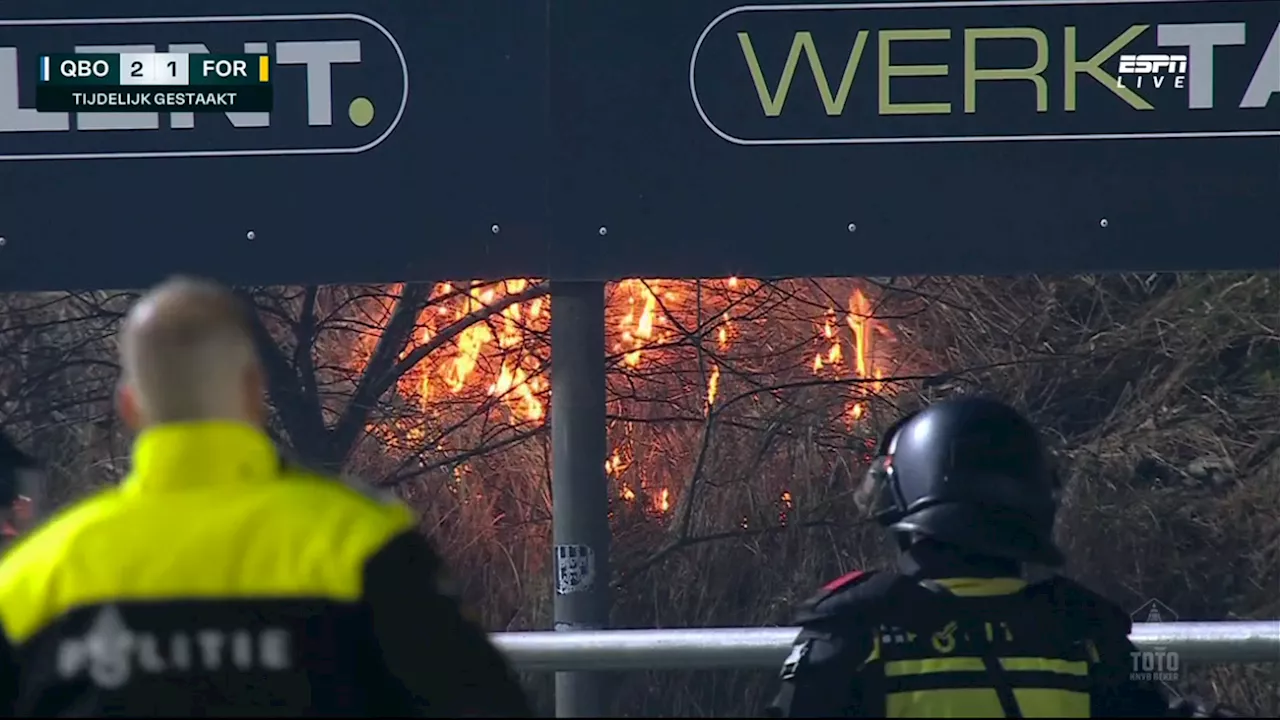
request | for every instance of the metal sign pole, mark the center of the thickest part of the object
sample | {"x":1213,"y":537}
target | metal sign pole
{"x":580,"y":501}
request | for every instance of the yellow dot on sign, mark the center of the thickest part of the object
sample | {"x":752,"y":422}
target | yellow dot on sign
{"x":360,"y":111}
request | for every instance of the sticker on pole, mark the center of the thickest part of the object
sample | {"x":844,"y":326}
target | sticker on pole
{"x":575,"y":569}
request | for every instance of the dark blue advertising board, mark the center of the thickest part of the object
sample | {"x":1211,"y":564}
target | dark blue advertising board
{"x":973,"y":136}
{"x":604,"y":139}
{"x":401,"y":134}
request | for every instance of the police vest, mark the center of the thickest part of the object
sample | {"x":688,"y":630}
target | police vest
{"x":213,"y":580}
{"x":969,"y":648}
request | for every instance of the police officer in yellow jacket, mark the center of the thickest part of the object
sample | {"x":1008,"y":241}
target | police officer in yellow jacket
{"x":967,"y":492}
{"x":217,"y":580}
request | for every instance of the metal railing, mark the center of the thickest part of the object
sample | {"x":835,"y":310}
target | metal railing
{"x":723,"y":648}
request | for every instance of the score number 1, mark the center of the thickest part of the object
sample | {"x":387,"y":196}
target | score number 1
{"x":154,"y":69}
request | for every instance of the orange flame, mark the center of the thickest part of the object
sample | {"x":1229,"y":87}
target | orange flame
{"x":713,"y":386}
{"x":500,"y":358}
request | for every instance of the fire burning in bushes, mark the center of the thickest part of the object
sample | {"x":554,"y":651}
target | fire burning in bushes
{"x":681,"y":348}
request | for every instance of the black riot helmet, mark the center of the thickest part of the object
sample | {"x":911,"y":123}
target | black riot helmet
{"x":971,"y":473}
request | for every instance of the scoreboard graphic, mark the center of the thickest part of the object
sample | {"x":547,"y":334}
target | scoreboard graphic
{"x":139,"y":82}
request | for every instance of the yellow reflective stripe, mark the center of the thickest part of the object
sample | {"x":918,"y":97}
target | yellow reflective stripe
{"x":922,"y":687}
{"x":966,"y":703}
{"x":982,"y":587}
{"x":984,"y":703}
{"x":926,"y":666}
{"x":1079,"y":668}
{"x":1049,"y":702}
{"x":296,"y":537}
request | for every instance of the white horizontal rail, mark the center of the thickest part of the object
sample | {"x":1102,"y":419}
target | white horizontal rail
{"x":716,"y":648}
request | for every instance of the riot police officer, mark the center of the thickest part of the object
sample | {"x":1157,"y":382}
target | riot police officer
{"x":966,"y":491}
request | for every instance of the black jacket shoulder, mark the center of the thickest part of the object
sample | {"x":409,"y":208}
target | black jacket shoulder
{"x":1091,"y":614}
{"x":437,"y":661}
{"x":852,"y":598}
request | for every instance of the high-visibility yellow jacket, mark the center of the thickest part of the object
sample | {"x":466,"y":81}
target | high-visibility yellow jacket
{"x":217,"y":580}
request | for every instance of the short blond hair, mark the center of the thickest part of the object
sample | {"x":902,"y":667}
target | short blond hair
{"x":185,"y":349}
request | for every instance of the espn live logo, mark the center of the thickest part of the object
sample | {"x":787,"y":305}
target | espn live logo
{"x":1158,"y":67}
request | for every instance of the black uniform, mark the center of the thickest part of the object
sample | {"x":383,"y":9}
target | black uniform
{"x":216,"y":581}
{"x":966,"y":490}
{"x":13,"y":465}
{"x":20,"y":479}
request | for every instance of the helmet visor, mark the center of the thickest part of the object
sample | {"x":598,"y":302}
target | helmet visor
{"x":875,"y":497}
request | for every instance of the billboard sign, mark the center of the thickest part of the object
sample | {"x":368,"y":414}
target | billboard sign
{"x":884,"y":138}
{"x":375,"y":161}
{"x":313,"y":88}
{"x":982,"y":71}
{"x":587,"y":139}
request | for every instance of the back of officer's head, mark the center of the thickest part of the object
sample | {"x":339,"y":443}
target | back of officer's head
{"x":972,"y":472}
{"x":187,"y":354}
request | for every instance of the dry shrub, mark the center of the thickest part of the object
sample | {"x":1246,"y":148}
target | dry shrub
{"x":738,"y":433}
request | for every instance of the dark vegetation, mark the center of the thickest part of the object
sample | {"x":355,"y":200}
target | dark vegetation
{"x":740,"y":416}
